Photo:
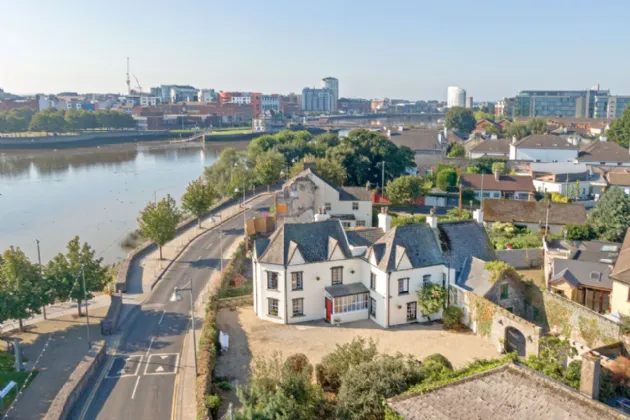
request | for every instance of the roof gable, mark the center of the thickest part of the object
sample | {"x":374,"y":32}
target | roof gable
{"x":402,"y":261}
{"x":295,"y":256}
{"x":419,"y":242}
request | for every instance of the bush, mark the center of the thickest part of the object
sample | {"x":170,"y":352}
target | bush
{"x":452,"y":318}
{"x":431,"y":299}
{"x":298,"y":363}
{"x":437,"y":358}
{"x":365,"y":386}
{"x":334,"y":365}
{"x":207,"y":357}
{"x":213,"y":402}
{"x":579,"y":232}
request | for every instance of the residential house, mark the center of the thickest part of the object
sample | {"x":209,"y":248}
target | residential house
{"x":309,"y":192}
{"x":621,"y":279}
{"x":604,"y":153}
{"x":494,"y":148}
{"x":511,"y":391}
{"x":314,"y":271}
{"x":498,"y":186}
{"x":543,"y":148}
{"x":533,"y":215}
{"x":587,"y":283}
{"x":602,"y":252}
{"x":483,"y":125}
{"x":619,"y":179}
{"x":568,"y":179}
{"x":422,"y":141}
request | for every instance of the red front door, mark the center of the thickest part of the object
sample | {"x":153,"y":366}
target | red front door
{"x":328,"y":309}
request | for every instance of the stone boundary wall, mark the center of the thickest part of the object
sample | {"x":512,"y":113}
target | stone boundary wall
{"x":79,"y":138}
{"x":110,"y":322}
{"x":236,"y":301}
{"x":560,"y":315}
{"x":76,"y":383}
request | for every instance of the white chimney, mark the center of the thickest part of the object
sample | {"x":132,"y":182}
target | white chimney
{"x":513,"y":139}
{"x":439,"y":138}
{"x":494,"y":137}
{"x":445,"y":132}
{"x":497,"y":175}
{"x":389,"y":133}
{"x":432,"y":219}
{"x":384,"y":220}
{"x":322,"y":215}
{"x":478,"y":216}
{"x":603,"y":138}
{"x":400,"y":128}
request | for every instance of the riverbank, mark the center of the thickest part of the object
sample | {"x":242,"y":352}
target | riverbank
{"x":81,"y":140}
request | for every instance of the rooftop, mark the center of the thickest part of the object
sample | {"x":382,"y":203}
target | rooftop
{"x":463,"y":240}
{"x":475,"y":277}
{"x":418,"y":139}
{"x":620,"y":178}
{"x":582,"y":273}
{"x":593,"y":251}
{"x":621,"y":270}
{"x":604,"y":151}
{"x":364,"y":236}
{"x":514,"y":211}
{"x":492,"y":146}
{"x":417,"y":241}
{"x":544,"y":141}
{"x":490,"y":183}
{"x":510,"y":392}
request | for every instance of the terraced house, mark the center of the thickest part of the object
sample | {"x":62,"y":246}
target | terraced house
{"x":313,"y":271}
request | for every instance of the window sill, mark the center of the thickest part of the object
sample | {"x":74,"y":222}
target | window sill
{"x":403,"y":293}
{"x":272,"y":290}
{"x":273,"y":316}
{"x":298,"y":316}
{"x":297,"y":290}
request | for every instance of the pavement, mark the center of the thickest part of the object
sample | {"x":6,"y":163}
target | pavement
{"x":138,"y":377}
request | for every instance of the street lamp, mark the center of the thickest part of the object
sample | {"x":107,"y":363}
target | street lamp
{"x":176,"y":297}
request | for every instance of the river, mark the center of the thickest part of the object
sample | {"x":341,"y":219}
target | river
{"x":93,"y":193}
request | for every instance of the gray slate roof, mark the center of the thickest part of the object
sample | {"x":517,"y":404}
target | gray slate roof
{"x":463,"y":240}
{"x":510,"y":392}
{"x":364,"y":236}
{"x":346,"y":289}
{"x":604,"y":151}
{"x":311,"y":239}
{"x":522,"y":258}
{"x":492,"y":146}
{"x":475,"y":278}
{"x":354,"y":194}
{"x":418,"y":240}
{"x":544,"y":141}
{"x":581,"y":272}
{"x":593,"y":251}
{"x":260,"y":245}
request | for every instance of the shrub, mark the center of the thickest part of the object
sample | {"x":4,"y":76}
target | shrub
{"x":298,"y":363}
{"x":452,"y":318}
{"x":334,"y":365}
{"x":437,"y":358}
{"x":431,"y":299}
{"x":207,"y":357}
{"x":213,"y":402}
{"x":365,"y":386}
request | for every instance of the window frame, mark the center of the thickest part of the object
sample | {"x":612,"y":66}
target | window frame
{"x":295,"y":279}
{"x":300,"y":302}
{"x":355,"y":204}
{"x":328,"y":206}
{"x":333,"y":270}
{"x":426,"y":280}
{"x":373,"y":282}
{"x":403,"y":282}
{"x":507,"y":291}
{"x":270,"y":280}
{"x":372,"y":307}
{"x":270,"y":304}
{"x":415,"y":311}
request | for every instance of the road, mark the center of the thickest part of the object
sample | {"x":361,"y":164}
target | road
{"x":138,"y":381}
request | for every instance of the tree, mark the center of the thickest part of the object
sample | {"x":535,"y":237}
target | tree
{"x":537,"y":125}
{"x":159,"y":222}
{"x":268,"y":167}
{"x":198,"y":198}
{"x":611,"y":216}
{"x":518,"y":130}
{"x":453,"y":214}
{"x":431,"y":299}
{"x":551,"y":359}
{"x":366,"y":386}
{"x":492,"y":130}
{"x":229,"y":172}
{"x":405,"y":190}
{"x":21,"y":284}
{"x":480,"y":115}
{"x":579,"y":232}
{"x":461,"y":119}
{"x":619,"y":130}
{"x":332,"y":170}
{"x":498,"y":167}
{"x":335,"y":364}
{"x":65,"y":273}
{"x":446,"y":179}
{"x":457,"y":150}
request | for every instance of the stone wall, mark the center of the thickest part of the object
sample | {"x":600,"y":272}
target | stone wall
{"x":76,"y":383}
{"x":491,"y":321}
{"x":559,"y":315}
{"x":110,"y":322}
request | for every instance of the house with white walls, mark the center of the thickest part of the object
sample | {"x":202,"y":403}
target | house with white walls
{"x":543,"y":148}
{"x":309,"y":192}
{"x":314,"y":271}
{"x":604,"y":152}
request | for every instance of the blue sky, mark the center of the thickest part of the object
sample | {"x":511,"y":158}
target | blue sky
{"x":409,"y":49}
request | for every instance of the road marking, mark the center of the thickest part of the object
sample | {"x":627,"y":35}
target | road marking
{"x":149,"y":349}
{"x":133,"y":394}
{"x":198,"y":258}
{"x":162,"y":369}
{"x":162,"y":317}
{"x":122,"y":373}
{"x":208,"y":247}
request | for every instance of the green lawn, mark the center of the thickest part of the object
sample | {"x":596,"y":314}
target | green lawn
{"x":8,"y":374}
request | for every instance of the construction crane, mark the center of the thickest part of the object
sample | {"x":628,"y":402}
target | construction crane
{"x":128,"y":80}
{"x":138,"y":87}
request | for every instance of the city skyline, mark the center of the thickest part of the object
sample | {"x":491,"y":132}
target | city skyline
{"x":419,"y":50}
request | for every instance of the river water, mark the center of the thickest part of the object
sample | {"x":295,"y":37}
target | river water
{"x":93,"y":193}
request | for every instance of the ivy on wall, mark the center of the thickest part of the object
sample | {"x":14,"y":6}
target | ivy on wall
{"x":483,"y":314}
{"x":558,"y":316}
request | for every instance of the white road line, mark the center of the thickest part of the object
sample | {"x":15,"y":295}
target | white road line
{"x":150,"y":344}
{"x":209,"y":245}
{"x":162,"y":317}
{"x":133,"y":394}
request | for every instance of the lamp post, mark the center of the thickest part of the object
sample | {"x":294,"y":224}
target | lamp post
{"x":41,"y":274}
{"x":176,"y":297}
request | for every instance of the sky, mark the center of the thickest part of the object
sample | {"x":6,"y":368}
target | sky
{"x":409,"y":49}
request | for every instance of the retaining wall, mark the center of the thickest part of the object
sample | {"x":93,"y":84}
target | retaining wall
{"x":110,"y":322}
{"x":236,"y":301}
{"x":43,"y":141}
{"x":76,"y":383}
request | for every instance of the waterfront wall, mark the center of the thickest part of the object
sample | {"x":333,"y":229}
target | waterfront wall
{"x":85,"y":139}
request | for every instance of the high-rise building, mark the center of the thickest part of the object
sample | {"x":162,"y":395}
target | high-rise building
{"x":610,"y":106}
{"x":469,"y":101}
{"x":332,"y":84}
{"x":207,"y":95}
{"x":317,"y":100}
{"x":456,"y":96}
{"x":504,"y":108}
{"x":560,"y":103}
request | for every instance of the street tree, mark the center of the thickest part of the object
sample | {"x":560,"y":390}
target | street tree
{"x":619,"y":130}
{"x":537,"y":125}
{"x":405,"y":190}
{"x":268,"y":167}
{"x":461,"y":119}
{"x":21,"y":285}
{"x":611,"y":216}
{"x":158,"y":222}
{"x":198,"y":198}
{"x":65,"y":273}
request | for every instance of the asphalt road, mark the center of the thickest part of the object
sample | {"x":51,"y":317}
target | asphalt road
{"x":138,"y":382}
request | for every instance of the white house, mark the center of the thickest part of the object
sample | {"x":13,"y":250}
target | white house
{"x":543,"y":148}
{"x":313,"y":271}
{"x":490,"y":148}
{"x":604,"y":152}
{"x":309,"y":192}
{"x":620,"y":179}
{"x":498,"y":186}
